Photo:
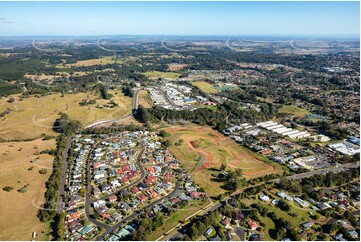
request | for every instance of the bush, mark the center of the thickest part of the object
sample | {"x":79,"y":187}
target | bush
{"x":43,"y":171}
{"x":7,"y":188}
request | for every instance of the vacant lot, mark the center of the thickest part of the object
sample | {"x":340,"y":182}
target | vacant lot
{"x":92,"y":62}
{"x":205,"y":86}
{"x":144,"y":99}
{"x":176,"y":67}
{"x":294,"y":110}
{"x":34,"y":116}
{"x":203,"y":150}
{"x":158,"y":74}
{"x":18,"y":214}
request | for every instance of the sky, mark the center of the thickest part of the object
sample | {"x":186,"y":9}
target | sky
{"x":179,"y":18}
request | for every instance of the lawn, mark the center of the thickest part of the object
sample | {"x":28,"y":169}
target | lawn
{"x":294,"y":110}
{"x":203,"y":151}
{"x":34,"y":116}
{"x":160,"y":74}
{"x":205,"y":86}
{"x":18,"y":210}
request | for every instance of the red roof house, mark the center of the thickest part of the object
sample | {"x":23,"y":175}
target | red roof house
{"x":135,"y":190}
{"x":252,"y":224}
{"x":142,"y":197}
{"x":112,"y":198}
{"x":126,"y":168}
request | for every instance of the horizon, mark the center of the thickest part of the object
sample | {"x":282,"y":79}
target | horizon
{"x":21,"y":19}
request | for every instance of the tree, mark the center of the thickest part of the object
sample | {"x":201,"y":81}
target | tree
{"x":223,"y":166}
{"x":283,"y":205}
{"x":347,"y":215}
{"x":143,"y":115}
{"x":7,"y":188}
{"x":60,"y":226}
{"x":280,"y":233}
{"x":167,"y":143}
{"x":163,"y":134}
{"x":43,"y":171}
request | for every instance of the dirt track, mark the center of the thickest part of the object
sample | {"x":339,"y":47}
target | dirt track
{"x":220,"y":141}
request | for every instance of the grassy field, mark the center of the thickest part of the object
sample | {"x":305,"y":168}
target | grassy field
{"x":18,"y":214}
{"x":302,"y":213}
{"x":178,"y":216}
{"x":211,"y":151}
{"x":34,"y":116}
{"x":144,"y":99}
{"x":205,"y":87}
{"x":294,"y":110}
{"x":159,"y":74}
{"x":57,"y":75}
{"x":92,"y":62}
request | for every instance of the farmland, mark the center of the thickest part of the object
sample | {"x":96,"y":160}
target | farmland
{"x":205,"y":86}
{"x":33,"y":116}
{"x":16,"y":171}
{"x":203,"y":150}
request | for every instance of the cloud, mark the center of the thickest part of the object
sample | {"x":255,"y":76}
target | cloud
{"x":5,"y":21}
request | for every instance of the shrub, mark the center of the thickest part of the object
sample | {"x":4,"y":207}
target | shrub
{"x":43,"y":171}
{"x":7,"y":188}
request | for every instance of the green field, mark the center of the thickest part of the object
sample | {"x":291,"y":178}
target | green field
{"x":294,"y":110}
{"x":33,"y":116}
{"x":225,"y":88}
{"x":205,"y":86}
{"x":176,"y":217}
{"x":160,"y":74}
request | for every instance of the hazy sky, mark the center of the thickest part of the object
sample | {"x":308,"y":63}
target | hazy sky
{"x":178,"y":18}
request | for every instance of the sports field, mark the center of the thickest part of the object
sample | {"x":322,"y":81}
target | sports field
{"x":205,"y":86}
{"x":34,"y":116}
{"x":18,"y":210}
{"x":159,"y":74}
{"x":203,"y":149}
{"x":294,"y":110}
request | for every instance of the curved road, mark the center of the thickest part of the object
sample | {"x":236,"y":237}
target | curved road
{"x":174,"y":193}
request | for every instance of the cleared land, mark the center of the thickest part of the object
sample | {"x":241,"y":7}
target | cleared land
{"x":144,"y":99}
{"x":92,"y":62}
{"x":205,"y":86}
{"x":18,"y":214}
{"x":203,"y":151}
{"x":176,"y":67}
{"x":43,"y":77}
{"x":294,"y":110}
{"x":34,"y":116}
{"x":160,"y":74}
